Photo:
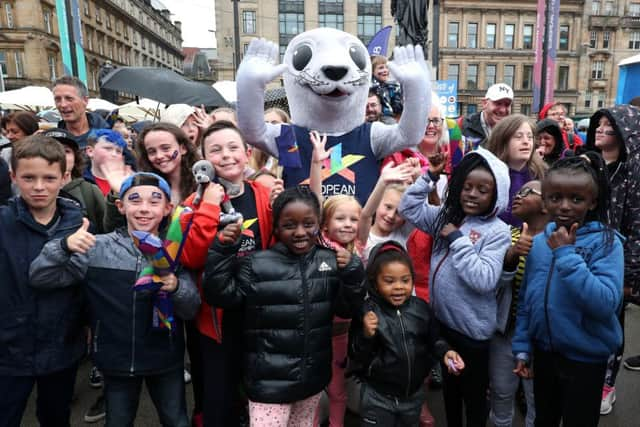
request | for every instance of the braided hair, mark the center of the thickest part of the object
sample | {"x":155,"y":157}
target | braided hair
{"x":452,"y":211}
{"x":592,"y":164}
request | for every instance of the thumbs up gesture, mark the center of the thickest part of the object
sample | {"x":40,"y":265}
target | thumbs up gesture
{"x":562,"y":236}
{"x":523,"y":245}
{"x":81,"y":241}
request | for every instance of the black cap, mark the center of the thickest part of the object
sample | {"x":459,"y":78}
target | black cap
{"x":63,"y":136}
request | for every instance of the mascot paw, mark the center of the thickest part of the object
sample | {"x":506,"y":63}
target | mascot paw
{"x":260,"y":63}
{"x":408,"y":65}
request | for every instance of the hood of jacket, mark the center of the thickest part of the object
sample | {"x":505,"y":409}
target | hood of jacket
{"x":95,"y":121}
{"x":545,"y":110}
{"x":370,"y":285}
{"x":551,"y":127}
{"x":624,"y":119}
{"x":500,"y":172}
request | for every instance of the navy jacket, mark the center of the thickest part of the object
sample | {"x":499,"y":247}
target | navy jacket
{"x":40,"y":331}
{"x":124,"y":341}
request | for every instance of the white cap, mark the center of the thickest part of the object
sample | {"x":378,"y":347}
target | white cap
{"x":499,"y":91}
{"x":176,"y":114}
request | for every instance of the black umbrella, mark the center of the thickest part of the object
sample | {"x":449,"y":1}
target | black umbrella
{"x":163,"y":85}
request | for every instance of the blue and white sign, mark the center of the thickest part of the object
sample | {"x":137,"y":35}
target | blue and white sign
{"x":447,"y":91}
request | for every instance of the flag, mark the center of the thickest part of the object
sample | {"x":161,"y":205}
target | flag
{"x":288,"y":150}
{"x":379,"y":42}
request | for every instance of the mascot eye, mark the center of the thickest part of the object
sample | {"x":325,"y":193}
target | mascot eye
{"x":301,"y":56}
{"x":358,"y":55}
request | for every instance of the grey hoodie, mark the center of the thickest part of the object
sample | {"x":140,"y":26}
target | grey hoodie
{"x":464,"y":273}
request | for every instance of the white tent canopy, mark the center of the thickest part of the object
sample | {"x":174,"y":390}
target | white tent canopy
{"x":100,"y":104}
{"x":143,"y":109}
{"x":227,"y":89}
{"x":31,"y":98}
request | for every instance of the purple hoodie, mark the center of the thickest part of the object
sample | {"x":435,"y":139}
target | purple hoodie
{"x":518,"y":179}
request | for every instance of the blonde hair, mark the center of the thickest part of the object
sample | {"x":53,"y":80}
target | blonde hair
{"x":329,"y":209}
{"x":378,"y":60}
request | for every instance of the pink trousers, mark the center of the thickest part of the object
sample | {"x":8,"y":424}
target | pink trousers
{"x":296,"y":414}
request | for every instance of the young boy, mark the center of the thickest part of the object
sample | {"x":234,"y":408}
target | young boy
{"x":41,"y":334}
{"x":126,"y":347}
{"x":104,"y":145}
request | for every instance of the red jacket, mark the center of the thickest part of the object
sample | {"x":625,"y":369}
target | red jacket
{"x":204,"y":226}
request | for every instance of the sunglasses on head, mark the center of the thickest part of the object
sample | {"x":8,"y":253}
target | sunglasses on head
{"x":524,"y":192}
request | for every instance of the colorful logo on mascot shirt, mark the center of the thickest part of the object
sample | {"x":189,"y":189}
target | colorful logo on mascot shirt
{"x":337,"y":164}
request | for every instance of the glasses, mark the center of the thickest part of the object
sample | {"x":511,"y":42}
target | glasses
{"x":524,"y":192}
{"x":436,"y":122}
{"x":605,"y":132}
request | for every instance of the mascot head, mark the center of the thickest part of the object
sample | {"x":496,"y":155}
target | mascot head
{"x":327,"y":80}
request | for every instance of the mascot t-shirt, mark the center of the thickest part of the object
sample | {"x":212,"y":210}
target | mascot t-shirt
{"x":352,"y":168}
{"x":250,"y":239}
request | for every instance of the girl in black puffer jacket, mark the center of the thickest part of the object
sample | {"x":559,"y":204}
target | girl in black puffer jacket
{"x":395,"y":342}
{"x":289,"y":294}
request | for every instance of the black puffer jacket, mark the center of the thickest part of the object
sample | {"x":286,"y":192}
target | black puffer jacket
{"x":624,"y":178}
{"x":406,"y":345}
{"x":289,"y":302}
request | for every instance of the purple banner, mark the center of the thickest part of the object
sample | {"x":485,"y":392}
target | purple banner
{"x":379,"y":42}
{"x":553,"y":28}
{"x":537,"y":65}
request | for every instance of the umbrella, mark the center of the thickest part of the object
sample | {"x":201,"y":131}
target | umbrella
{"x":276,"y":97}
{"x":51,"y":116}
{"x":227,"y":89}
{"x":100,"y":104}
{"x":162,"y":85}
{"x":141,"y":109}
{"x":29,"y":98}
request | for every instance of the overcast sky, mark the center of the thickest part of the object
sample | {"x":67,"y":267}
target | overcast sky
{"x":197,"y":17}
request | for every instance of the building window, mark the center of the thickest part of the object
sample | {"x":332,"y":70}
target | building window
{"x":452,"y":37}
{"x":509,"y":31}
{"x":331,"y":20}
{"x":453,"y":72}
{"x":472,"y":35}
{"x":52,"y":67}
{"x":606,"y":37}
{"x":563,"y":77}
{"x":597,"y":70}
{"x":491,"y":36}
{"x":368,"y":26}
{"x":595,"y":7}
{"x":8,"y":13}
{"x":509,"y":74}
{"x":88,"y":36}
{"x":118,"y":26}
{"x":527,"y":76}
{"x":292,"y":23}
{"x":634,"y":9}
{"x":3,"y":64}
{"x":249,"y":21}
{"x":98,"y":14}
{"x":609,"y":8}
{"x":634,"y":40}
{"x":601,"y":100}
{"x":527,"y":36}
{"x":564,"y":38}
{"x":525,"y":109}
{"x":587,"y":100}
{"x":46,"y":17}
{"x":108,"y":21}
{"x":490,"y":75}
{"x":101,"y":45}
{"x":87,"y":12}
{"x":472,"y":76}
{"x":593,"y":39}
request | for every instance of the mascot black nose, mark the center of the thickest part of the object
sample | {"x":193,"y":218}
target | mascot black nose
{"x":334,"y":73}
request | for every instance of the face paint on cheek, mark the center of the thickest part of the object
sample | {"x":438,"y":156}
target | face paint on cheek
{"x":156,"y":195}
{"x":174,"y":155}
{"x":133,"y":196}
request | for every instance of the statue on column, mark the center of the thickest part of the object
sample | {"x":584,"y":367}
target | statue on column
{"x":411,"y":17}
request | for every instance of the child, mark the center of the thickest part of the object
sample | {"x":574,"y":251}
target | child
{"x":288,"y":295}
{"x":126,"y":347}
{"x":396,"y":342}
{"x":527,"y":206}
{"x":469,"y":247}
{"x":389,"y":91}
{"x":511,"y":140}
{"x":103,"y":146}
{"x":572,"y":291}
{"x":218,"y":331}
{"x":38,"y":345}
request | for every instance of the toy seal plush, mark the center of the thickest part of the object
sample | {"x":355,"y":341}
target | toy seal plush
{"x":327,"y":74}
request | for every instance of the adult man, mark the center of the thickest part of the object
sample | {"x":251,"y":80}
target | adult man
{"x":496,"y":105}
{"x":373,"y":112}
{"x":71,"y":97}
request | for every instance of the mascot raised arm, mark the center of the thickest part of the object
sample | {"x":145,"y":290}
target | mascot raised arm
{"x":327,"y":74}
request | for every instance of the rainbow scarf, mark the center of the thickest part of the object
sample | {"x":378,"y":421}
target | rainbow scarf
{"x":163,"y":256}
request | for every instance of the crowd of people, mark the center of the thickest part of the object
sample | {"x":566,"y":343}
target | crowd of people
{"x":496,"y":255}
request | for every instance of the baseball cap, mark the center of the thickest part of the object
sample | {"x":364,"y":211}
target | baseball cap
{"x":145,"y":178}
{"x":63,"y":136}
{"x":499,"y":91}
{"x":176,"y":114}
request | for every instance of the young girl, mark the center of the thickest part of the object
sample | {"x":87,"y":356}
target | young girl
{"x":287,"y":295}
{"x":511,"y":140}
{"x":218,"y":331}
{"x":527,"y":206}
{"x":572,"y":291}
{"x":470,"y":242}
{"x":395,"y":342}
